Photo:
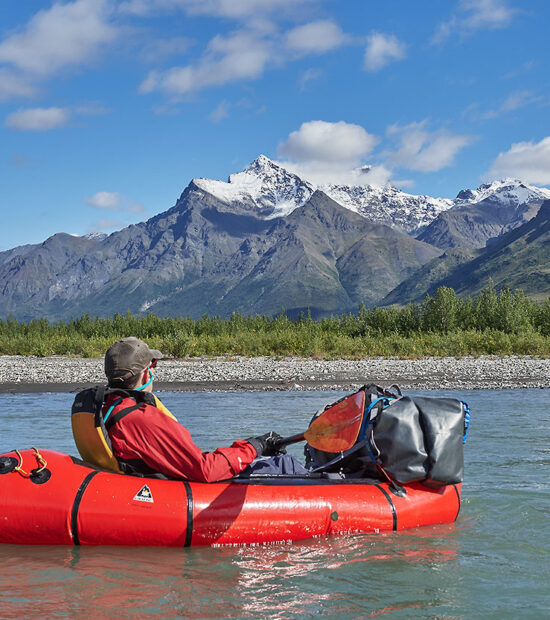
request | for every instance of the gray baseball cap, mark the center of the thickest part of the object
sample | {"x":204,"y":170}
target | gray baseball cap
{"x":127,"y":357}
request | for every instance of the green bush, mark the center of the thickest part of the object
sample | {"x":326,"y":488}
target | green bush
{"x":502,"y":323}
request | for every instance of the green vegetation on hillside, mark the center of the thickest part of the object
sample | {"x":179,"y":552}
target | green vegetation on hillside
{"x":503,"y":323}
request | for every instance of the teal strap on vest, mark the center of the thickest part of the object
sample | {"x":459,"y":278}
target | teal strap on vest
{"x":141,"y":387}
{"x":121,"y":414}
{"x":110,"y":410}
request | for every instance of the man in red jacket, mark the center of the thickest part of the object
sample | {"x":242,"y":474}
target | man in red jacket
{"x":145,"y":437}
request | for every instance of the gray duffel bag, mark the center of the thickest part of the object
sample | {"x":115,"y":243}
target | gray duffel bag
{"x":417,"y":439}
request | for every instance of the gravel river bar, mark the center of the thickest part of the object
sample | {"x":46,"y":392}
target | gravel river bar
{"x":69,"y":374}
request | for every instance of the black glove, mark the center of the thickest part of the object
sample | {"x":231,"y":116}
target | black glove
{"x":266,"y":445}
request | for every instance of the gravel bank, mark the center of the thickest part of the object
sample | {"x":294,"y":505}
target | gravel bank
{"x":63,"y":374}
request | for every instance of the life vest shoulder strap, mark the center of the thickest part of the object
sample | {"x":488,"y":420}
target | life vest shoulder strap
{"x":113,"y":419}
{"x":151,"y":400}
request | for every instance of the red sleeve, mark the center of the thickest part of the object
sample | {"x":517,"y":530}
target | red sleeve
{"x":167,"y":447}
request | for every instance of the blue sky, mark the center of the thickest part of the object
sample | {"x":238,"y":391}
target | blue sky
{"x":108,"y":108}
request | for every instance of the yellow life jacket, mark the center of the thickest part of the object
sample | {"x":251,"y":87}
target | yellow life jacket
{"x":89,"y":432}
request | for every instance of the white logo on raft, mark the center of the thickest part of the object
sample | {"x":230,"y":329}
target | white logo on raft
{"x":144,"y":495}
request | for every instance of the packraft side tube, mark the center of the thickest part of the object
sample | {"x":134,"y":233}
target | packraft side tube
{"x":86,"y":506}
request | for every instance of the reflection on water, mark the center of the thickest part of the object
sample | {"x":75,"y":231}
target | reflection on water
{"x":494,"y":562}
{"x":336,"y":574}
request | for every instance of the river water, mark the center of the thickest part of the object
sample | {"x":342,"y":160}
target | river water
{"x":494,"y":562}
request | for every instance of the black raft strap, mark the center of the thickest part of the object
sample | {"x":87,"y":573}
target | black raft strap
{"x":118,"y":416}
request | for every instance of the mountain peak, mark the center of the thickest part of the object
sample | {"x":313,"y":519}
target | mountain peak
{"x":96,"y":236}
{"x":268,"y":171}
{"x":513,"y":192}
{"x":269,"y":188}
{"x":262,"y":163}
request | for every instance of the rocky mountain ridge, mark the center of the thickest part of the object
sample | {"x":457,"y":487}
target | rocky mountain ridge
{"x":272,"y":190}
{"x":479,"y":217}
{"x":275,"y":191}
{"x":266,"y":239}
{"x":519,"y":259}
{"x":204,"y":255}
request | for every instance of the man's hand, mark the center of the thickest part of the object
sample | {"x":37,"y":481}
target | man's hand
{"x":266,"y":445}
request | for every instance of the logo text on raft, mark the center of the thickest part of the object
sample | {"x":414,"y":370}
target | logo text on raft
{"x":144,"y":495}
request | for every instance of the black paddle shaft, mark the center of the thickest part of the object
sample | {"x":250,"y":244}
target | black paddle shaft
{"x":285,"y":441}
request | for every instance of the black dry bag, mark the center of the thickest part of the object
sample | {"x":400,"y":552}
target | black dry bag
{"x":418,"y":439}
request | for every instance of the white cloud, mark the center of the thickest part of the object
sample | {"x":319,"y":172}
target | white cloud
{"x":242,"y":55}
{"x":14,"y":86}
{"x":487,"y":14}
{"x":45,"y":119}
{"x":403,"y":183}
{"x":322,"y":173}
{"x":515,"y":101}
{"x":243,"y":8}
{"x":113,"y":201}
{"x":105,"y":200}
{"x":221,"y":111}
{"x":377,"y":175}
{"x":528,"y":161}
{"x":38,"y":119}
{"x":320,"y":141}
{"x":315,"y":38}
{"x":332,"y":153}
{"x":65,"y":35}
{"x":381,"y":50}
{"x":475,"y":15}
{"x":236,"y":9}
{"x":309,"y":75}
{"x":423,"y":150}
{"x":55,"y":39}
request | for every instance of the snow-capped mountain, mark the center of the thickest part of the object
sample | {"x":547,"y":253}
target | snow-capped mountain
{"x":508,"y":192}
{"x":275,"y":191}
{"x":389,"y":205}
{"x":96,"y":236}
{"x":480,"y":216}
{"x":268,"y":238}
{"x":272,"y":190}
{"x":207,"y":256}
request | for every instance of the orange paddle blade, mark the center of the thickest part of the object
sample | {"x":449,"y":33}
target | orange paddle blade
{"x":337,"y":428}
